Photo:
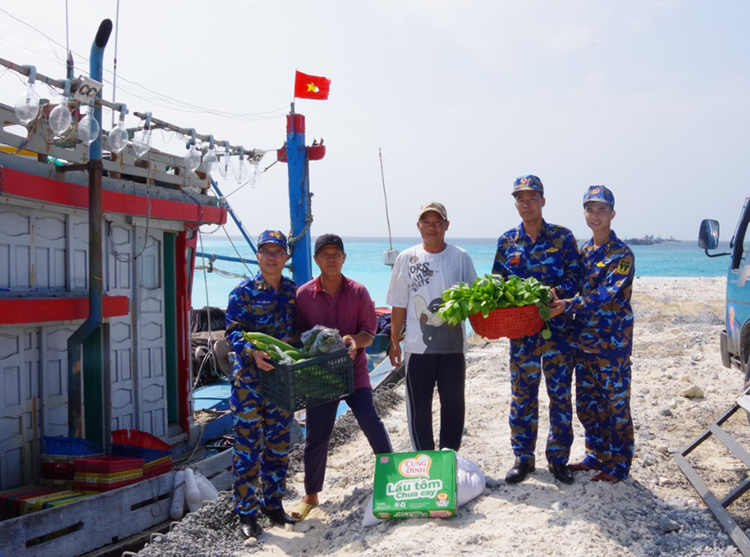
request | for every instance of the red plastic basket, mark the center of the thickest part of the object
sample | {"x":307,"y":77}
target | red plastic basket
{"x":508,"y":322}
{"x":107,"y":465}
{"x":139,"y":439}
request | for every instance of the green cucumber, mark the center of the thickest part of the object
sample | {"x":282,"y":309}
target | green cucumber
{"x":267,"y":339}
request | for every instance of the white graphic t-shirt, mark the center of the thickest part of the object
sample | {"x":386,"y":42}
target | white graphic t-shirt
{"x":417,"y":283}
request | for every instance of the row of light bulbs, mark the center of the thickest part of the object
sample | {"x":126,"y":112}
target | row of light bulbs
{"x":60,"y":120}
{"x":242,"y":171}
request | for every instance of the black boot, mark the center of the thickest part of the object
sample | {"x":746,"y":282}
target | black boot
{"x":249,"y":526}
{"x":520,"y":470}
{"x":278,"y":516}
{"x":561,"y":472}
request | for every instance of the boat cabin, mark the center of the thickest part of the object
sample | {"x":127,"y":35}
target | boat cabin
{"x":135,"y":367}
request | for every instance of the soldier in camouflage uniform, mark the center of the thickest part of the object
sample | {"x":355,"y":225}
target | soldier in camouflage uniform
{"x":603,"y":340}
{"x":548,"y":253}
{"x":264,"y":303}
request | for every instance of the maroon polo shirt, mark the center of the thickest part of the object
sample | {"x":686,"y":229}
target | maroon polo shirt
{"x":350,"y":311}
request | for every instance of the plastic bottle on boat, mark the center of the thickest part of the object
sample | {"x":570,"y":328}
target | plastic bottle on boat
{"x":207,"y":489}
{"x":192,"y":493}
{"x":178,"y":496}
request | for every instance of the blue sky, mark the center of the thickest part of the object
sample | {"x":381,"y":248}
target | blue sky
{"x":650,"y":98}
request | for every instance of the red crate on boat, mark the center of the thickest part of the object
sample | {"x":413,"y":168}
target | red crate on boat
{"x":58,"y":472}
{"x":156,"y":454}
{"x":107,"y":465}
{"x":105,"y":473}
{"x":508,"y":322}
{"x":157,"y":467}
{"x":63,"y":470}
{"x":97,"y":487}
{"x":139,"y":438}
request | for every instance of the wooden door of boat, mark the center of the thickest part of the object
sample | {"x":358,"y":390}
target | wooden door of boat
{"x":120,"y":248}
{"x":150,"y":333}
{"x":19,"y":407}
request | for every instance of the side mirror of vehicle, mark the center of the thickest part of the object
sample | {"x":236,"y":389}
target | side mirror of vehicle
{"x":708,"y":235}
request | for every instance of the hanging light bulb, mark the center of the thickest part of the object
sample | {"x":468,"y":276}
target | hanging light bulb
{"x":225,"y":166}
{"x":255,"y":174}
{"x":27,"y":106}
{"x":210,"y":160}
{"x":117,"y":138}
{"x":142,"y":138}
{"x":193,"y":158}
{"x":60,"y":118}
{"x":241,"y":171}
{"x":88,"y":128}
{"x":142,"y":143}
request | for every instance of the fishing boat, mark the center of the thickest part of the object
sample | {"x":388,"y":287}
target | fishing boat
{"x":98,"y":249}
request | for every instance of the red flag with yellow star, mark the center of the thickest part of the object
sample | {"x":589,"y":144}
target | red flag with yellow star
{"x":311,"y":87}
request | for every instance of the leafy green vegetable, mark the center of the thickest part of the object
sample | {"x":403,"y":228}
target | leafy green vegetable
{"x":492,"y":292}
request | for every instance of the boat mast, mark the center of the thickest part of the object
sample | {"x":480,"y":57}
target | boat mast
{"x":300,"y":202}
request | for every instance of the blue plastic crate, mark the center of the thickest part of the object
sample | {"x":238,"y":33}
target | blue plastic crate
{"x":131,"y":451}
{"x":70,"y":446}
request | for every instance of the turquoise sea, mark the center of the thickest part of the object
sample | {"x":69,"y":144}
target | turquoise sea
{"x":364,"y":263}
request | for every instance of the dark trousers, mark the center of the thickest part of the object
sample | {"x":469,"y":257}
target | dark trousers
{"x":423,"y":372}
{"x":319,"y":427}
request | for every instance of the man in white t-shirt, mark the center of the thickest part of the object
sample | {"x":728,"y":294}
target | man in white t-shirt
{"x":433,"y":350}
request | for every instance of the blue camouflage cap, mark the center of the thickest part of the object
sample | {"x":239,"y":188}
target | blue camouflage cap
{"x":528,"y":183}
{"x":599,"y":193}
{"x":272,"y":237}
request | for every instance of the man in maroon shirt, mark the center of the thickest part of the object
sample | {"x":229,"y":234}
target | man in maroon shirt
{"x":334,"y":301}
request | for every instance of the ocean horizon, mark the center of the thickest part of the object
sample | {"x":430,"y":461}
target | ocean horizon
{"x":364,"y":263}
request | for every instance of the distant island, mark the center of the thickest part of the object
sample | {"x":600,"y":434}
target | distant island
{"x":648,"y":240}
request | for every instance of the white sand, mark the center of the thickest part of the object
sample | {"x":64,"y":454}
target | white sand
{"x":676,"y":346}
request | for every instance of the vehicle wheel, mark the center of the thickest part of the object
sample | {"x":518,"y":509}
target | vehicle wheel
{"x":747,"y":384}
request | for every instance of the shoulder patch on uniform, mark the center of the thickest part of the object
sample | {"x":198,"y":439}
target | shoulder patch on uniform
{"x":553,"y":250}
{"x":624,"y":267}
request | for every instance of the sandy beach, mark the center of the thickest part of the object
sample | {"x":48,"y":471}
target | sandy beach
{"x":655,"y":512}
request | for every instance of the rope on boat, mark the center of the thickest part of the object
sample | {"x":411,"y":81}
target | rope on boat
{"x":235,"y":249}
{"x":124,"y":258}
{"x":292,"y":240}
{"x":222,"y":273}
{"x":208,"y":321}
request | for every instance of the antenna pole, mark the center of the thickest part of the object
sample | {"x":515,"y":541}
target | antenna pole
{"x":385,"y":195}
{"x":114,"y":73}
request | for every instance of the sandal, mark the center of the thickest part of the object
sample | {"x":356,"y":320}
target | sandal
{"x":300,"y":511}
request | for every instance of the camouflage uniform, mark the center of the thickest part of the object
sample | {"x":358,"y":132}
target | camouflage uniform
{"x":553,"y":260}
{"x":603,"y":339}
{"x":261,"y":428}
